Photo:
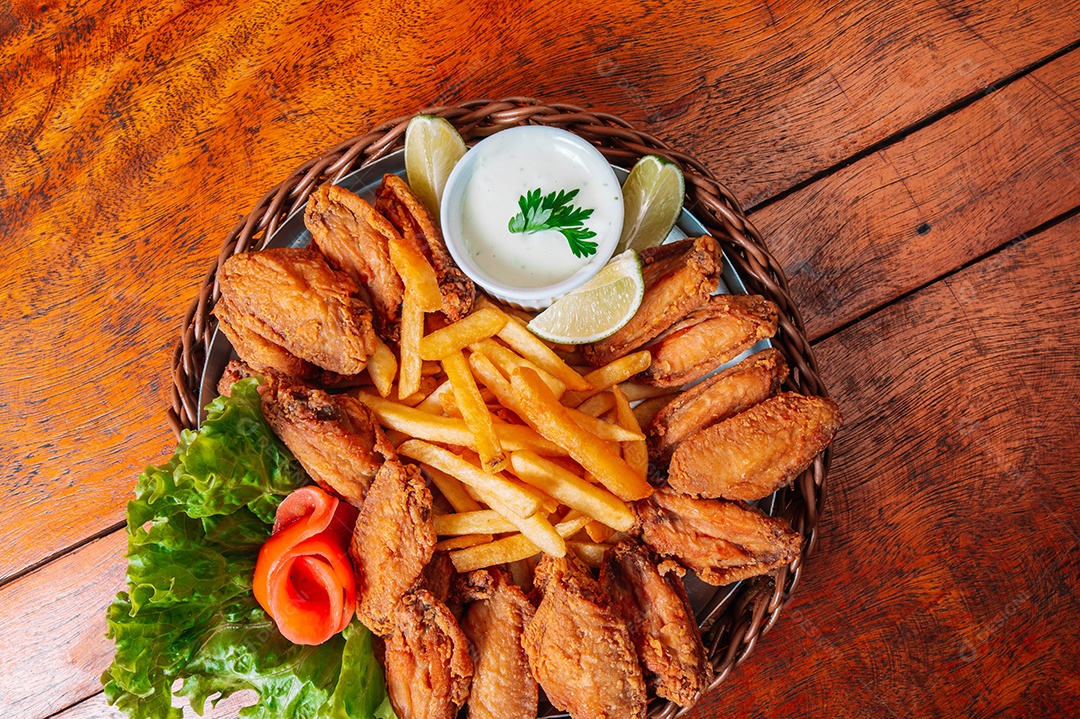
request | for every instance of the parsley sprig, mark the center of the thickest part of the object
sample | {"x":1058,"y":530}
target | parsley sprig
{"x":553,"y":211}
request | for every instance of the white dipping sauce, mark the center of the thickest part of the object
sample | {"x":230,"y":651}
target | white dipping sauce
{"x":510,"y":169}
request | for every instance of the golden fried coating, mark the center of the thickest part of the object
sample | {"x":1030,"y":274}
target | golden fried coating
{"x":290,"y":299}
{"x":392,"y":543}
{"x":396,"y":201}
{"x":579,"y":648}
{"x":723,"y":395}
{"x":354,"y":237}
{"x":678,"y":276}
{"x":722,"y":542}
{"x":428,"y":667}
{"x":335,"y":437}
{"x":754,"y":453}
{"x":503,"y":686}
{"x":719,"y":330}
{"x":661,"y":622}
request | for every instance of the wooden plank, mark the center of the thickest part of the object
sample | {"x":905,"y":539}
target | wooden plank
{"x":132,"y":137}
{"x":52,"y":629}
{"x":945,"y":578}
{"x":945,"y":195}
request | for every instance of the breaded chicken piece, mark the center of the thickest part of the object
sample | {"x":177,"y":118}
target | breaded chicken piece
{"x":393,"y":541}
{"x":354,"y":237}
{"x":653,"y":601}
{"x":579,"y":648}
{"x":428,"y":667}
{"x":397,"y":203}
{"x":722,"y":542}
{"x":336,"y":438}
{"x":503,"y":686}
{"x":719,"y":330}
{"x":721,"y":396}
{"x":754,"y":453}
{"x":678,"y":276}
{"x":288,"y":301}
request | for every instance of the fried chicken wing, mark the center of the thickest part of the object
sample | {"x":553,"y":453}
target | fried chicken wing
{"x":661,"y":622}
{"x":393,"y":541}
{"x":396,"y":201}
{"x":754,"y":453}
{"x":503,"y":686}
{"x":283,"y":307}
{"x":678,"y":276}
{"x":579,"y":648}
{"x":354,"y":237}
{"x":428,"y":667}
{"x":721,"y":396}
{"x":336,"y":438}
{"x":719,"y":330}
{"x":722,"y":542}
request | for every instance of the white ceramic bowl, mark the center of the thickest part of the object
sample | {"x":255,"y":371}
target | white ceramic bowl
{"x":547,"y":147}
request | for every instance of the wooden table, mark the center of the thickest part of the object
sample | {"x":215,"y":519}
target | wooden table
{"x":914,"y":166}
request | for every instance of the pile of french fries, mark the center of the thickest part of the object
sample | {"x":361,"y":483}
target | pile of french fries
{"x":529,"y":454}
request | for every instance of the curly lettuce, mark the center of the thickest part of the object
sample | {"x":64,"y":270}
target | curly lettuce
{"x":188,"y":624}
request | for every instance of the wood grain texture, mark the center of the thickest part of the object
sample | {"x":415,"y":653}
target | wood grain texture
{"x":941,"y":197}
{"x":52,"y":629}
{"x":132,"y":137}
{"x":944,"y":582}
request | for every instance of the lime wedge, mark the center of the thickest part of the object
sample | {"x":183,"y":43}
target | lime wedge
{"x":652,"y":200}
{"x":432,"y":148}
{"x":596,"y":309}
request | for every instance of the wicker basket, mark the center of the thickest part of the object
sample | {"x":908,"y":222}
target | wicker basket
{"x":737,"y":619}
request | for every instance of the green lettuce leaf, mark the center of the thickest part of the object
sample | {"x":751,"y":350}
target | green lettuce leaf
{"x":194,"y":533}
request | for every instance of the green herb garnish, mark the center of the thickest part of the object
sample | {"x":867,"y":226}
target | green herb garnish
{"x":554,"y":212}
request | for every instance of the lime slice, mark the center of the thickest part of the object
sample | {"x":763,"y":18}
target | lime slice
{"x":652,"y":200}
{"x":432,"y":148}
{"x":596,"y":309}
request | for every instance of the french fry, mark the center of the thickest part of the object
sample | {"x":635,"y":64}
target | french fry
{"x":516,"y":500}
{"x":478,"y":326}
{"x":382,"y":367}
{"x":646,"y":409}
{"x":636,"y":392}
{"x":610,"y":375}
{"x":601,"y":428}
{"x":493,"y":379}
{"x":509,"y":549}
{"x":542,"y":411}
{"x":451,"y":430}
{"x":571,"y":490}
{"x":507,"y":361}
{"x":484,"y":521}
{"x":572,"y":524}
{"x":421,"y":295}
{"x":589,"y":552}
{"x":453,"y":490}
{"x":548,"y":504}
{"x":597,"y":404}
{"x":432,"y":404}
{"x":416,"y":273}
{"x":598,"y":531}
{"x":474,"y":411}
{"x":501,"y":551}
{"x":460,"y":542}
{"x":634,"y":451}
{"x":412,"y":331}
{"x":529,"y":346}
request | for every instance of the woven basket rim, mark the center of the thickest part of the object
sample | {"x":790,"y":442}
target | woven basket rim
{"x":733,"y":628}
